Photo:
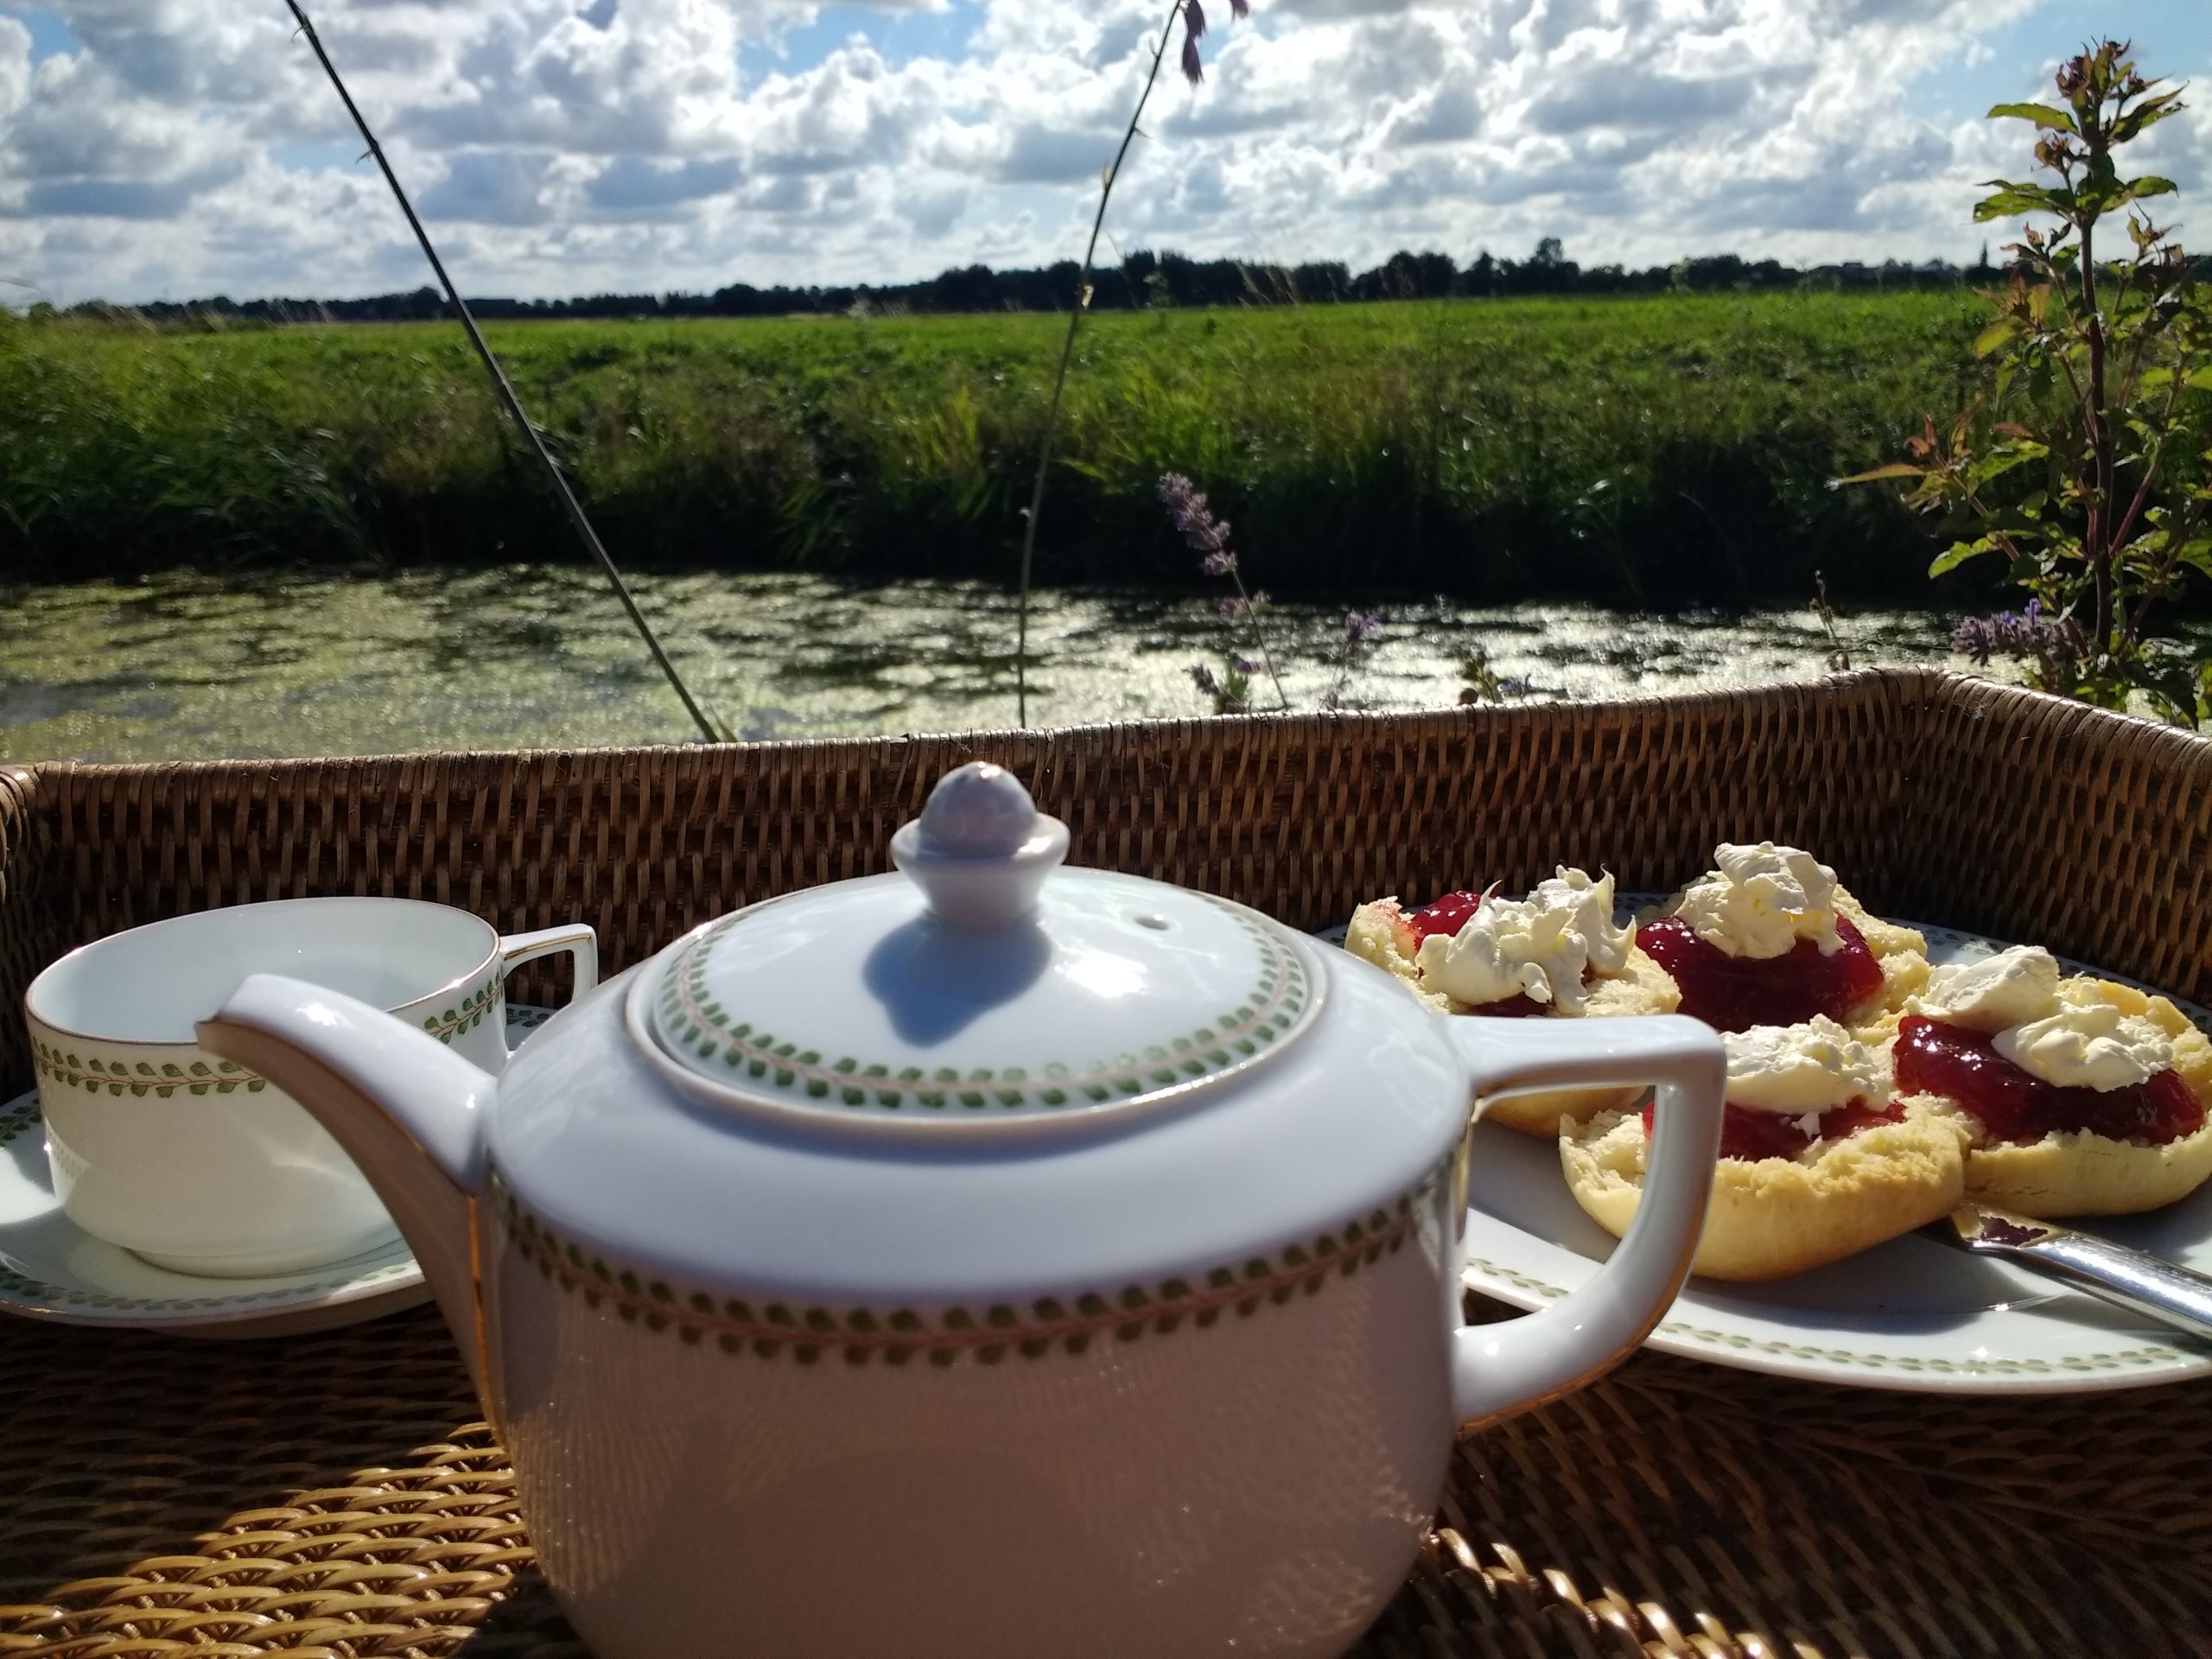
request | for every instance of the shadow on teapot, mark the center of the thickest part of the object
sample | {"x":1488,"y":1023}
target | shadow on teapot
{"x":934,"y":979}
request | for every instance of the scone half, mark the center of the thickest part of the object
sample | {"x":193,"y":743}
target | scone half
{"x":1901,"y":951}
{"x":2079,"y":1171}
{"x":1380,"y":934}
{"x":1769,"y":1217}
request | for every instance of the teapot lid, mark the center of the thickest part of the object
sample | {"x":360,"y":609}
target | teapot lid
{"x":984,"y":984}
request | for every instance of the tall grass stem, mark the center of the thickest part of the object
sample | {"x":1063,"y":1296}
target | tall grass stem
{"x":1082,"y":298}
{"x":708,"y":729}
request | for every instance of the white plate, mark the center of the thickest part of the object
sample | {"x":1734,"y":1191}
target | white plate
{"x":1908,"y":1314}
{"x":52,"y":1269}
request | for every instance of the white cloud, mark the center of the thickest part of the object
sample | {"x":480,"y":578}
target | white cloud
{"x":562,"y":146}
{"x":15,"y":66}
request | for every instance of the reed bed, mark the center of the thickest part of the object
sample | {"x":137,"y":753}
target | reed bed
{"x":1637,"y":451}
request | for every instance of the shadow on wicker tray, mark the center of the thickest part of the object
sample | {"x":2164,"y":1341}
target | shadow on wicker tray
{"x":122,"y":1447}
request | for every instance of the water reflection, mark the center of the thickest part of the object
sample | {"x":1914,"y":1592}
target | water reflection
{"x":185,"y":666}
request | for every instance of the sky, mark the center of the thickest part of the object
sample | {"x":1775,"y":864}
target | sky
{"x":180,"y":148}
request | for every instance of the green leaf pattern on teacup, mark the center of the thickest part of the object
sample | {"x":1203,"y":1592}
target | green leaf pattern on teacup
{"x":1263,"y":1013}
{"x":769,"y":1329}
{"x":468,"y":1013}
{"x":141,"y":1078}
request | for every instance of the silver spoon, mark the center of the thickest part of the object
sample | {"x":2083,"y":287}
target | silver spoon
{"x":2134,"y":1279}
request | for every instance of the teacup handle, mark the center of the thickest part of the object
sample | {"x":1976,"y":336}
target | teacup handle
{"x":580,"y":940}
{"x":1498,"y":1370}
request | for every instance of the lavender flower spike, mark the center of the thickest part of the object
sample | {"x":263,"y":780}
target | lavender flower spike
{"x":1240,"y":8}
{"x":1205,"y":534}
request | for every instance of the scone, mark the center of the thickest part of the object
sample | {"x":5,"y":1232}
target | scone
{"x":1768,"y":939}
{"x":2079,"y":1096}
{"x":1555,"y":954}
{"x":1817,"y":1160}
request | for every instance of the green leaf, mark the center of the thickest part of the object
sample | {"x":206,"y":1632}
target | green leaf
{"x":1996,"y":334}
{"x":2042,"y":114}
{"x":1959,"y":553}
{"x":1896,"y":469}
{"x":2142,"y":189}
{"x":2004,"y":461}
{"x":2013,"y":201}
{"x":2148,"y":113}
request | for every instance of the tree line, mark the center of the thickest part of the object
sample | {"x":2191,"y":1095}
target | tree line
{"x":1143,"y":280}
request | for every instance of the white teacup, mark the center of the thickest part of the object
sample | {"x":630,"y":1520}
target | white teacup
{"x":194,"y":1162}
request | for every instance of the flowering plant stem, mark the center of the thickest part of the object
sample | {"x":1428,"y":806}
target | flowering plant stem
{"x":2094,"y":490}
{"x":1082,"y":302}
{"x":1251,"y":612}
{"x":708,"y":729}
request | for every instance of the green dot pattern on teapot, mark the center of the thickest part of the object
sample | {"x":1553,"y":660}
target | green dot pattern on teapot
{"x":1259,"y":1016}
{"x":1033,"y":1329}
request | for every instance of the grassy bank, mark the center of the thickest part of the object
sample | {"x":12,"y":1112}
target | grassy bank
{"x":1643,"y":451}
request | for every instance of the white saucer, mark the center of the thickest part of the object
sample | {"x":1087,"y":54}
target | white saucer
{"x":1908,"y":1314}
{"x":51,"y":1269}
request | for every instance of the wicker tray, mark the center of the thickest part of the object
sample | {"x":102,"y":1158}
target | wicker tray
{"x":334,"y":1495}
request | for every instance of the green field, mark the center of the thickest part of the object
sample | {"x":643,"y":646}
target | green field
{"x":1634,"y":451}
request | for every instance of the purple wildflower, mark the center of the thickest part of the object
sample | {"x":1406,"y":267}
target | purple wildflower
{"x":1205,"y":534}
{"x":1194,"y":28}
{"x":1361,"y":627}
{"x":2027,"y":633}
{"x":1203,"y":677}
{"x":1246,"y":666}
{"x":1514,"y":685}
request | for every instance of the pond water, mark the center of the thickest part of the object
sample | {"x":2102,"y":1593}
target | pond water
{"x":186,"y":666}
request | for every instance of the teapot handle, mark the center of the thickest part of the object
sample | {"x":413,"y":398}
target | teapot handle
{"x":1498,"y":1370}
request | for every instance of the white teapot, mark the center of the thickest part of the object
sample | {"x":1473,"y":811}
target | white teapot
{"x":1082,"y":1251}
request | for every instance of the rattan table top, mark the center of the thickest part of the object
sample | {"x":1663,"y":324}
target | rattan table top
{"x":335,"y":1494}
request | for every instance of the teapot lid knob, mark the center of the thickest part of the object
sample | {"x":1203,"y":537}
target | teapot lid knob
{"x":981,"y":850}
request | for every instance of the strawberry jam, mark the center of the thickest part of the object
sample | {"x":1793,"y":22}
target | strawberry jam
{"x":1736,"y":993}
{"x":1512,"y":1008}
{"x":1752,"y":1135}
{"x":1933,"y":1057}
{"x":1447,"y":915}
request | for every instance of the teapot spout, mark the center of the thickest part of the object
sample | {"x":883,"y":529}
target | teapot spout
{"x":409,"y":1112}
